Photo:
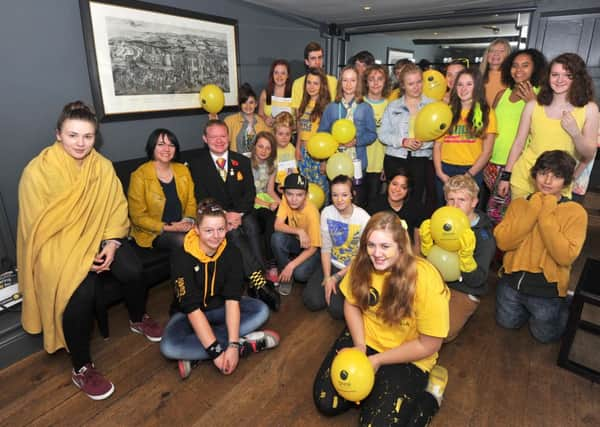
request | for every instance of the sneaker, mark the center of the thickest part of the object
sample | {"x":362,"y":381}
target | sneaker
{"x":272,"y":274}
{"x":185,"y":367}
{"x":438,"y":380}
{"x":285,"y":288}
{"x":92,"y":382}
{"x":258,"y":341}
{"x":147,"y":327}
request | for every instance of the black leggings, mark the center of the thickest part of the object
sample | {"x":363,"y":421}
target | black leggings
{"x":398,"y":397}
{"x":79,"y":313}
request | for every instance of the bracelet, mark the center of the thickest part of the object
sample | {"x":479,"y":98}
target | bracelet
{"x":235,"y":344}
{"x":505,"y":175}
{"x":214,"y":350}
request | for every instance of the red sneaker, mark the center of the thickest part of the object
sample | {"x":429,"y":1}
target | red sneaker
{"x":147,"y":327}
{"x":92,"y":382}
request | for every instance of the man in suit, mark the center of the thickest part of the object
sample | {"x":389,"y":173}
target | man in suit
{"x":226,"y":176}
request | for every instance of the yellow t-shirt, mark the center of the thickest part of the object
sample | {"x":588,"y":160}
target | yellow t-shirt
{"x":306,"y":128}
{"x":430,"y":312}
{"x":394,"y":94}
{"x":286,"y":162}
{"x":307,"y":218}
{"x":461,"y":149}
{"x":376,"y":151}
{"x":298,"y":89}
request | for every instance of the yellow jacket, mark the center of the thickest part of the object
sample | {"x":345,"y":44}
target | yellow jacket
{"x":235,"y":122}
{"x":147,"y":200}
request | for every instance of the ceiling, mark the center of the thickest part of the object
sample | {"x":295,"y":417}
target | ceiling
{"x":344,"y":12}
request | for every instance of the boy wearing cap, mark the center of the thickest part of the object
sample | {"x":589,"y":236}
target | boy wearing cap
{"x":297,"y":234}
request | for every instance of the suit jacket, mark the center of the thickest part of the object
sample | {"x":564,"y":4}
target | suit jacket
{"x":235,"y":194}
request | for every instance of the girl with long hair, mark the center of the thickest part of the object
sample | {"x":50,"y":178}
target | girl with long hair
{"x":564,"y":117}
{"x":490,"y":68}
{"x":376,"y":83}
{"x":522,"y":73}
{"x":396,"y":310}
{"x":348,"y":104}
{"x":244,"y":126}
{"x":314,"y":101}
{"x":467,"y":146}
{"x":277,"y":96}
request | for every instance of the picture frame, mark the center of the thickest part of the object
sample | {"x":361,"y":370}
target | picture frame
{"x":393,"y":55}
{"x":147,"y":60}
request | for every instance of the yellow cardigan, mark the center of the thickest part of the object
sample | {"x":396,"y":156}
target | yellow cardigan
{"x":234,"y":124}
{"x":147,"y":200}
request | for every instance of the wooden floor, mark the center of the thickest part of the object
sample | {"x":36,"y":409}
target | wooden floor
{"x":497,"y":378}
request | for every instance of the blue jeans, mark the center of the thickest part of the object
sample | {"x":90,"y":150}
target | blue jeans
{"x":452,"y":170}
{"x":180,"y":342}
{"x":547,"y":316}
{"x":285,"y":247}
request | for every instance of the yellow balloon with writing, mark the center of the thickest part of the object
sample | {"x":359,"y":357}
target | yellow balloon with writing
{"x":432,"y":121}
{"x":352,"y":374}
{"x":434,"y":84}
{"x":316,"y":195}
{"x":446,"y":262}
{"x":340,"y":164}
{"x":447,"y":225}
{"x":321,"y":145}
{"x":212,"y":98}
{"x":343,"y":130}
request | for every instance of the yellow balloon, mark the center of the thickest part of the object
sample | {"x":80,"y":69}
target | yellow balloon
{"x":316,"y":195}
{"x":339,"y":164}
{"x":446,"y":262}
{"x":212,"y":98}
{"x":447,"y":225}
{"x":432,"y":121}
{"x":321,"y":145}
{"x":434,"y":84}
{"x":343,"y":130}
{"x":352,"y":374}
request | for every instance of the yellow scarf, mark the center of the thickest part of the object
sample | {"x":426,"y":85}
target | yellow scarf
{"x":191,"y":245}
{"x":65,"y":211}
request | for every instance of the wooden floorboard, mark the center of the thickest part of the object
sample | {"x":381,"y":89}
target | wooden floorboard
{"x":497,"y":378}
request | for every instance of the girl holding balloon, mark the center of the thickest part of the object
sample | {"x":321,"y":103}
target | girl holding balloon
{"x":314,"y":101}
{"x":396,"y":309}
{"x":397,"y":131}
{"x":467,"y":146}
{"x":348,"y":104}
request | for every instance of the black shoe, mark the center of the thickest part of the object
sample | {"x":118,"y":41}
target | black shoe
{"x":266,"y":294}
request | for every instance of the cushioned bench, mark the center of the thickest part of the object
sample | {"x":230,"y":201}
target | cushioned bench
{"x":155,"y":262}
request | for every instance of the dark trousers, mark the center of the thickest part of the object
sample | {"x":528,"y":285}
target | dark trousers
{"x":169,"y":240}
{"x":266,"y":222}
{"x":398,"y":397}
{"x":314,"y":294}
{"x":416,"y":167}
{"x":373,"y":186}
{"x":250,"y":262}
{"x":79,"y":313}
{"x":251,"y":227}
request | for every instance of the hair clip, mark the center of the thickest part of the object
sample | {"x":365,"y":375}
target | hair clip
{"x":404,"y":224}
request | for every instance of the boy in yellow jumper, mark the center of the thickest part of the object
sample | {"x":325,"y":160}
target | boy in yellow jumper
{"x":541,"y":235}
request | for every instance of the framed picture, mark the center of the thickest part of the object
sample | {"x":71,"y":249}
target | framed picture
{"x":394,"y":55}
{"x":147,"y":60}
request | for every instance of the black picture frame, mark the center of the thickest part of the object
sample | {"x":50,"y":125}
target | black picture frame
{"x":147,"y":60}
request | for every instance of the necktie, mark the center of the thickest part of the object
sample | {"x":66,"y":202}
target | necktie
{"x":221,"y":165}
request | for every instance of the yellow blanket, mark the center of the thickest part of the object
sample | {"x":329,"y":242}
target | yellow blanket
{"x":65,"y":211}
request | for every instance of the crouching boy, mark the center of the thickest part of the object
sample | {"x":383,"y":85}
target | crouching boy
{"x":541,"y":235}
{"x":477,"y":248}
{"x":297,"y":234}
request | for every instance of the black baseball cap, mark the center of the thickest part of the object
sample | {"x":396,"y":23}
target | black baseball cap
{"x":295,"y":181}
